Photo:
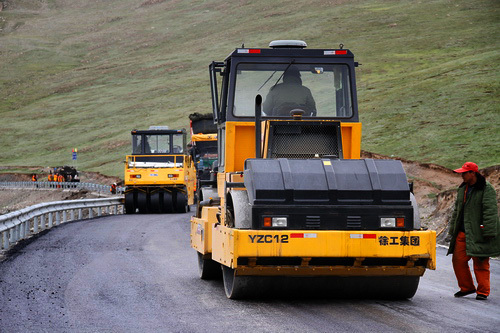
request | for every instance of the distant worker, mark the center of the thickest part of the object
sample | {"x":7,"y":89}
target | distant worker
{"x":475,"y":232}
{"x":113,"y":188}
{"x":289,"y":95}
{"x":50,"y":179}
{"x":34,"y":178}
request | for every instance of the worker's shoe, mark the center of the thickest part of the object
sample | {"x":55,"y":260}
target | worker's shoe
{"x":464,"y":293}
{"x":481,"y":297}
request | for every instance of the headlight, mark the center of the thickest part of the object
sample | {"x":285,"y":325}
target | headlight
{"x":388,"y":222}
{"x":280,"y":222}
{"x":275,"y":222}
{"x":392,"y":222}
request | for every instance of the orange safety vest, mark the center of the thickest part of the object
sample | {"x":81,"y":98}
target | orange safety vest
{"x":49,"y":178}
{"x":33,"y":178}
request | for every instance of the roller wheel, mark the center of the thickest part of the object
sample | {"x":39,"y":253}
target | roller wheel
{"x":167,"y":202}
{"x":402,"y":287}
{"x":236,"y":287}
{"x":154,"y":203}
{"x":142,"y":202}
{"x":181,"y":205}
{"x":208,"y":269}
{"x":374,"y":287}
{"x":129,"y":203}
{"x":241,"y":210}
{"x":416,"y":213}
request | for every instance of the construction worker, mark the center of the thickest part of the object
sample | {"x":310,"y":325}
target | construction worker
{"x":34,"y":179}
{"x":289,"y":95}
{"x":475,"y":232}
{"x":50,"y":178}
{"x":113,"y":188}
{"x":60,"y":179}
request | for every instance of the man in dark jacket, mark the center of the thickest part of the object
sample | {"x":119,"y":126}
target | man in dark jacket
{"x":289,"y":95}
{"x":475,"y":232}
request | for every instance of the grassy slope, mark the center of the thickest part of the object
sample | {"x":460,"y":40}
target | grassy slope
{"x":84,"y":73}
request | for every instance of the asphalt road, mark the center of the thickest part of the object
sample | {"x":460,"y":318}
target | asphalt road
{"x":137,"y":273}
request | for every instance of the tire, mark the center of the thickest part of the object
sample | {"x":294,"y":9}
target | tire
{"x":181,"y":201}
{"x":142,"y":202}
{"x":130,"y":205}
{"x":167,"y":204}
{"x":208,"y":269}
{"x":154,"y":203}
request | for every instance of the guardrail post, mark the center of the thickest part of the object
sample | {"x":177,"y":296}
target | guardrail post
{"x":20,"y":233}
{"x":35,"y":224}
{"x":65,"y":217}
{"x":17,"y":231}
{"x":91,"y":213}
{"x":99,"y":211}
{"x":50,"y":220}
{"x":27,"y":228}
{"x":58,"y":218}
{"x":5,"y":240}
{"x":42,"y":221}
{"x":24,"y":228}
{"x":80,"y":214}
{"x":11,"y":236}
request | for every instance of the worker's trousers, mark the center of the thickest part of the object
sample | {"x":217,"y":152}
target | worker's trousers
{"x":462,"y":272}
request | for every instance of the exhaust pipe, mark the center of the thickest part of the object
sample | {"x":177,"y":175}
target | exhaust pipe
{"x":258,"y":114}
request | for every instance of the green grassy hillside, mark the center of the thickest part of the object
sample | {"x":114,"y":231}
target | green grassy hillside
{"x":84,"y":73}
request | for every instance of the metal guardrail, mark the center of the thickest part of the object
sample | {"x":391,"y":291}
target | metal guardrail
{"x":23,"y":223}
{"x":62,"y":185}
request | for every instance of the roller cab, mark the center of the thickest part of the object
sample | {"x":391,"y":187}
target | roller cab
{"x":203,"y":149}
{"x":294,"y":202}
{"x":159,"y":175}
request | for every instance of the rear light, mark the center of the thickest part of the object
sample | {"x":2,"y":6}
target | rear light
{"x":135,"y":176}
{"x":172,"y":175}
{"x":400,"y":222}
{"x":335,"y":52}
{"x":267,"y":222}
{"x":248,"y":50}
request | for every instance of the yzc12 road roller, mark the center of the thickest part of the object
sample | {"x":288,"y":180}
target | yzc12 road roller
{"x":296,"y":209}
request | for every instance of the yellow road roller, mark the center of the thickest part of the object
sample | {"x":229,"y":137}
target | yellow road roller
{"x":296,"y":210}
{"x":160,"y":174}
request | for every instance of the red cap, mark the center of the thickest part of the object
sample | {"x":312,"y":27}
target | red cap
{"x":468,"y":166}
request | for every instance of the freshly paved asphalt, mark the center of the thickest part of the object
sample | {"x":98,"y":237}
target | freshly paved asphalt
{"x":137,"y":273}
